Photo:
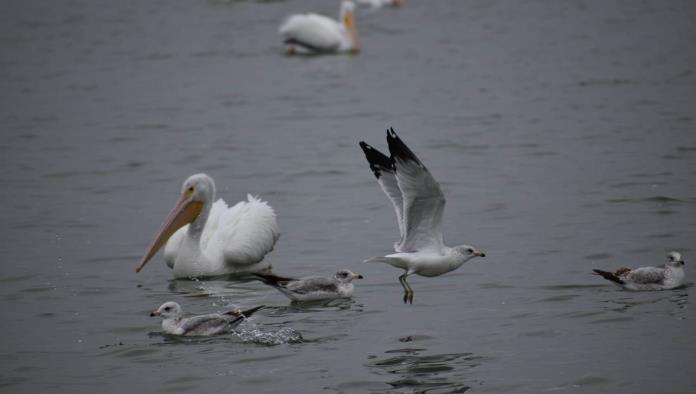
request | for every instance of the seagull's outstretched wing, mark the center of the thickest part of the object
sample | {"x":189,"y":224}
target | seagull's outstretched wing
{"x":423,"y":200}
{"x":383,"y":168}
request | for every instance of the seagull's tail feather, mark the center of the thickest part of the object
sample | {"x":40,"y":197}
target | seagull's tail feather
{"x":609,"y":276}
{"x":379,"y":259}
{"x":251,"y":311}
{"x":241,"y":315}
{"x":270,"y":279}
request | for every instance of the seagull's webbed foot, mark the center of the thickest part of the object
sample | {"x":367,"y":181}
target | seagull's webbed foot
{"x":408,"y":297}
{"x":408,"y":293}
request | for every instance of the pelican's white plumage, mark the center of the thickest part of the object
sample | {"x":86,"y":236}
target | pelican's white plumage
{"x":380,"y":3}
{"x":419,"y":204}
{"x":315,"y":33}
{"x":212,"y":239}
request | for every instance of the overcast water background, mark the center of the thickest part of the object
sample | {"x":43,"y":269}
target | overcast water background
{"x":563,"y":135}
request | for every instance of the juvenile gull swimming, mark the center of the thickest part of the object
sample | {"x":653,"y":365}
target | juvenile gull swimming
{"x":174,"y":323}
{"x":313,"y":288}
{"x":669,"y":276}
{"x":419,"y":204}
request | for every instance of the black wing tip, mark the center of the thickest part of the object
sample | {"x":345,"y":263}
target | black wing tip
{"x":246,"y":313}
{"x":609,"y":276}
{"x":398,"y":148}
{"x":270,"y":279}
{"x":378,"y":161}
{"x":249,"y":312}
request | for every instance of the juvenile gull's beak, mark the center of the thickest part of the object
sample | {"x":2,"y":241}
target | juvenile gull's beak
{"x":185,"y":211}
{"x":479,"y":254}
{"x":357,"y":276}
{"x":154,"y":313}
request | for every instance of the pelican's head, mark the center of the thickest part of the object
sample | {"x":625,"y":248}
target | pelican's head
{"x":468,"y":252}
{"x":346,"y":276}
{"x":348,"y":19}
{"x":674,"y":259}
{"x":196,"y":192}
{"x":168,"y":310}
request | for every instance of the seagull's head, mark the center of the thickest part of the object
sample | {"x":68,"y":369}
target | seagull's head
{"x":674,"y":259}
{"x":468,"y":252}
{"x":346,"y":276}
{"x":197,"y":192}
{"x":168,"y":310}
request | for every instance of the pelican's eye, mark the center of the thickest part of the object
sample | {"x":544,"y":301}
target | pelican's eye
{"x":190,"y":189}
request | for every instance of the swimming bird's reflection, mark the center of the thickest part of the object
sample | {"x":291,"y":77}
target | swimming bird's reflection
{"x":412,"y":369}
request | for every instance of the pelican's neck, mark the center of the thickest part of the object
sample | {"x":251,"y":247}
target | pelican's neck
{"x":354,"y":39}
{"x":347,"y":18}
{"x":196,"y":228}
{"x":352,"y":34}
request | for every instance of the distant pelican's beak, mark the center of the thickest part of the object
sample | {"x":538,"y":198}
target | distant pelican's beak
{"x":357,"y":276}
{"x":154,"y":313}
{"x":185,"y":211}
{"x":479,"y":254}
{"x":349,"y":22}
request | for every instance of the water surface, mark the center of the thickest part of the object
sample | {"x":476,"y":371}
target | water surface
{"x":562,"y":134}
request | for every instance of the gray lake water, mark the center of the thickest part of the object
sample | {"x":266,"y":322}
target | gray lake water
{"x":563,"y":134}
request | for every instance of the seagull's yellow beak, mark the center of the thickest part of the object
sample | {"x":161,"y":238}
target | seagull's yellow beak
{"x":185,"y":211}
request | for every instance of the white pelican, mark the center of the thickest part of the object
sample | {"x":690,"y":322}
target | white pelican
{"x":669,"y":276}
{"x":209,"y":239}
{"x":174,"y":322}
{"x":313,"y":288}
{"x":419,"y":204}
{"x":380,"y":3}
{"x":313,"y":33}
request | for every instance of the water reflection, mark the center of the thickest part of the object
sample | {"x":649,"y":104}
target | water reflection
{"x":676,"y":299}
{"x":413,"y":369}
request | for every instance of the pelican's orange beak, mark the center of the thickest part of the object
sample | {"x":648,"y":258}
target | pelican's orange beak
{"x":185,"y":211}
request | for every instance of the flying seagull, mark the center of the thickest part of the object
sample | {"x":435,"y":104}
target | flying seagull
{"x":419,"y":204}
{"x":666,"y":277}
{"x":313,"y":288}
{"x":174,"y":322}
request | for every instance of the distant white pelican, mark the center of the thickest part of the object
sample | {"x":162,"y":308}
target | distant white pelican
{"x":211,"y":239}
{"x":313,"y":33}
{"x":380,"y":3}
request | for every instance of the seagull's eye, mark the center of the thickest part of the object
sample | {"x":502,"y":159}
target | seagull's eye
{"x":470,"y":250}
{"x":167,"y":309}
